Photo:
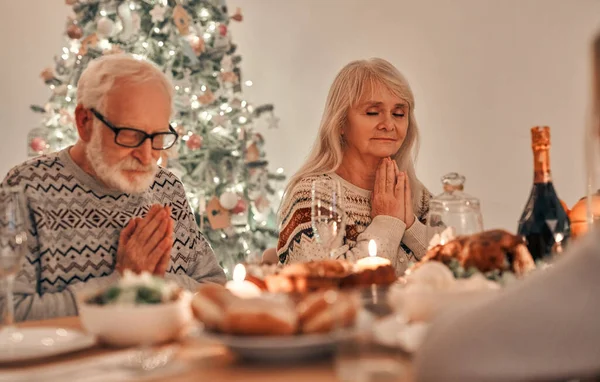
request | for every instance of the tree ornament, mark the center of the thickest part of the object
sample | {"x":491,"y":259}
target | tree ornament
{"x":252,"y":153}
{"x":207,"y":98}
{"x":74,"y":31}
{"x":240,"y":207}
{"x":230,"y":77}
{"x":47,"y":74}
{"x":197,"y":44}
{"x":126,"y":17}
{"x":182,"y":20}
{"x":223,"y":29}
{"x":237,"y":16}
{"x":228,"y":200}
{"x":38,"y":145}
{"x":90,"y":41}
{"x":194,"y":142}
{"x":218,"y":217}
{"x":105,"y":27}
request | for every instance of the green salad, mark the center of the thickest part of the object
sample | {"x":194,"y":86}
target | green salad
{"x":143,"y":289}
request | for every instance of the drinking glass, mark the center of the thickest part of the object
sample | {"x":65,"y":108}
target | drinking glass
{"x":327,"y":214}
{"x":585,"y":214}
{"x":361,"y":354}
{"x":13,"y":245}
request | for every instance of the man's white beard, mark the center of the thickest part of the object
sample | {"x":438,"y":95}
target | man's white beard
{"x":112,"y":175}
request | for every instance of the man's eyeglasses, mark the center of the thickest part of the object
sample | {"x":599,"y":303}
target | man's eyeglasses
{"x":131,"y":138}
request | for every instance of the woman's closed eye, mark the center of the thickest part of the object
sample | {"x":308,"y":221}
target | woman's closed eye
{"x":374,"y":113}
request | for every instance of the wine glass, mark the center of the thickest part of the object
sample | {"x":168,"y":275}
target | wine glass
{"x":13,"y":246}
{"x":327,"y":215}
{"x":585,"y":215}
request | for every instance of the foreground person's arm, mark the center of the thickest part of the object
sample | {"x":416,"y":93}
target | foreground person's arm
{"x":547,"y":328}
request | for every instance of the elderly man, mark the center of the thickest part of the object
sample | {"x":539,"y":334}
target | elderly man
{"x":103,"y":205}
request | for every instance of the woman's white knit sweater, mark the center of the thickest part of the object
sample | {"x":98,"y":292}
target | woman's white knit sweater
{"x":400,"y":245}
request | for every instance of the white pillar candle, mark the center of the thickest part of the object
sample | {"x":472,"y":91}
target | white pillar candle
{"x":241,"y":287}
{"x":372,"y":261}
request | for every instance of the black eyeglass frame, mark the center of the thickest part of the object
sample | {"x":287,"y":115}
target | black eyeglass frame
{"x":145,"y":135}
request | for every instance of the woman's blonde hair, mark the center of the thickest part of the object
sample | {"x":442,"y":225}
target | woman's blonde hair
{"x":347,"y":90}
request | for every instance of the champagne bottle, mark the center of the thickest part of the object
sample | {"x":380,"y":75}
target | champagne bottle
{"x":544,"y":223}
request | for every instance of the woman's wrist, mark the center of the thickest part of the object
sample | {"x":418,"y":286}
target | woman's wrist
{"x":410,"y":220}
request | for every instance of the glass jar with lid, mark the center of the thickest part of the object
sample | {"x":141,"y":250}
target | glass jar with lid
{"x":453,"y":212}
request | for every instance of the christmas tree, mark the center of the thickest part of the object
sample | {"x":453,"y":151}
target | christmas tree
{"x":219,"y":156}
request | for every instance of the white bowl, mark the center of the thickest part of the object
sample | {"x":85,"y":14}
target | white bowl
{"x":130,"y":325}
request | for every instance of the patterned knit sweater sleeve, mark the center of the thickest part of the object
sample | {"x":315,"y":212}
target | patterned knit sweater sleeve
{"x":297,"y":242}
{"x":29,"y":302}
{"x":204,"y":266}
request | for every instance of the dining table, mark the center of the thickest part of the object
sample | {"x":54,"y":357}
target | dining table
{"x":194,"y":358}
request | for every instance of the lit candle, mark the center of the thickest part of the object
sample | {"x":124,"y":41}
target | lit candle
{"x":373,"y":261}
{"x":240,"y":286}
{"x":557,"y":247}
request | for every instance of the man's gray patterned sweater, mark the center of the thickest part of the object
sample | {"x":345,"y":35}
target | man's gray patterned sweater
{"x":73,"y":241}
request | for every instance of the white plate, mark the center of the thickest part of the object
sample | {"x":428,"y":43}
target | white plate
{"x":394,"y":331}
{"x":280,"y":348}
{"x":33,"y":343}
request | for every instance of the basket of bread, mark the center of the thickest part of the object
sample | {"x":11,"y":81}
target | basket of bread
{"x":299,"y":278}
{"x":275,"y":326}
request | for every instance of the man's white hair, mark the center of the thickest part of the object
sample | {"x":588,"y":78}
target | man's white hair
{"x":101,"y":75}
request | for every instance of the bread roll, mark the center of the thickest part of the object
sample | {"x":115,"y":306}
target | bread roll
{"x":322,"y":268}
{"x":261,"y":317}
{"x":322,"y":312}
{"x":210,"y":304}
{"x":299,"y":284}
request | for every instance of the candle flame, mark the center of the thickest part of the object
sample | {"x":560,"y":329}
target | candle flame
{"x":372,"y":248}
{"x":239,"y":273}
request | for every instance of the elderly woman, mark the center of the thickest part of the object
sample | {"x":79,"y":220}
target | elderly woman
{"x":365,"y":142}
